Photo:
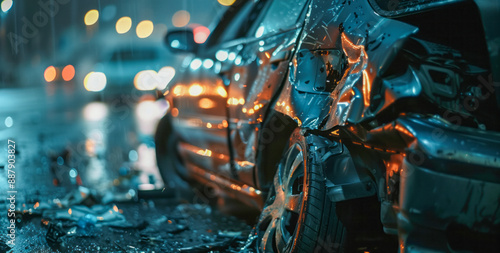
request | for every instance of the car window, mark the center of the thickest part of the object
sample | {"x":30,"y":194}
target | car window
{"x":280,"y":15}
{"x":238,"y":23}
{"x":233,"y":30}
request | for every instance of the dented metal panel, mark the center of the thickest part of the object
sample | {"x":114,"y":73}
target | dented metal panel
{"x":367,"y":41}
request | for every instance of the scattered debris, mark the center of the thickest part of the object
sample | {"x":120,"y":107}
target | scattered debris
{"x":55,"y":233}
{"x":4,"y":247}
{"x":178,"y":229}
{"x":231,"y":234}
{"x":80,"y":196}
{"x":151,"y":239}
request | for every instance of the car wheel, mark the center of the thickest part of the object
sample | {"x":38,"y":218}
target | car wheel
{"x":298,"y":216}
{"x":166,"y":154}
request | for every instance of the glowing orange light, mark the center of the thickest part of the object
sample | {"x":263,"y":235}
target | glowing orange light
{"x":195,"y":90}
{"x":232,"y":101}
{"x":206,"y":152}
{"x":222,"y":92}
{"x":366,"y":88}
{"x":256,"y":107}
{"x":70,"y":211}
{"x":201,"y":34}
{"x":36,"y":205}
{"x":115,"y":208}
{"x":175,"y":112}
{"x":50,"y":74}
{"x":178,"y":90}
{"x":68,"y":73}
{"x":206,"y":103}
{"x":209,"y":125}
{"x":241,"y":101}
{"x":224,"y":123}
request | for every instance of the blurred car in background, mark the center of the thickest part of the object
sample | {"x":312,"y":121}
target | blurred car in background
{"x":354,"y":126}
{"x":124,"y":68}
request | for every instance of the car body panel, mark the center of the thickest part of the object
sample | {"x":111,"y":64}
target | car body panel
{"x":255,"y":81}
{"x":368,"y":42}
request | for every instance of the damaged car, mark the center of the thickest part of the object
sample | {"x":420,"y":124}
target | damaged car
{"x":354,"y":126}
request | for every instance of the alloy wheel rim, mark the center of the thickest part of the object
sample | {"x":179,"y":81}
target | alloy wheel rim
{"x":278,"y":222}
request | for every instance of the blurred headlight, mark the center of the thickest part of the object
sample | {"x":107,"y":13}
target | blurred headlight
{"x":95,"y":81}
{"x":166,"y":74}
{"x":146,"y":80}
{"x":195,"y":90}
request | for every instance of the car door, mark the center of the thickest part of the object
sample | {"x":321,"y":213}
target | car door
{"x":199,"y":108}
{"x":259,"y":69}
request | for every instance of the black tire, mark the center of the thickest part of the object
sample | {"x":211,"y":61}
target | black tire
{"x":311,"y":227}
{"x":167,"y":157}
{"x":172,"y":170}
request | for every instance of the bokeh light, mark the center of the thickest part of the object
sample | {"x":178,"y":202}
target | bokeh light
{"x":9,"y":121}
{"x":221,"y":55}
{"x":208,"y":63}
{"x":195,"y":64}
{"x":166,"y":74}
{"x":206,"y":103}
{"x":144,"y":29}
{"x":222,"y":91}
{"x":259,"y":32}
{"x":94,"y":81}
{"x":91,"y":17}
{"x":95,"y":111}
{"x":195,"y":90}
{"x":50,"y":74}
{"x":68,"y":73}
{"x":146,"y":80}
{"x":148,"y":110}
{"x":181,"y":18}
{"x":123,"y":25}
{"x":6,"y":5}
{"x":226,"y":2}
{"x":201,"y":34}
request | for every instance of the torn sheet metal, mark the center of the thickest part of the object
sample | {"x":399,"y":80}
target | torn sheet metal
{"x":368,"y":42}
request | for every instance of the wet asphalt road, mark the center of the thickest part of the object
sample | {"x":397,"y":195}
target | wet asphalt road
{"x":86,"y":169}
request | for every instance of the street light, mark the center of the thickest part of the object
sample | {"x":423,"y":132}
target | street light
{"x":123,"y":25}
{"x":91,"y":17}
{"x":144,"y":29}
{"x":181,"y":18}
{"x":6,"y":5}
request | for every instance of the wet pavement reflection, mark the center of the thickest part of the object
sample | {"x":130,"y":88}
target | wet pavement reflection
{"x":87,"y":180}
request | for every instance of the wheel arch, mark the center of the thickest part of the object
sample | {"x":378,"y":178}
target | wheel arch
{"x":345,"y":178}
{"x":273,"y":139}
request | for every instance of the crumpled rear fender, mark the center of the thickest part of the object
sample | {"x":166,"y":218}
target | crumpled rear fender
{"x":351,"y":32}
